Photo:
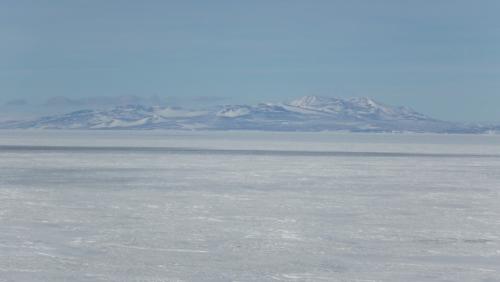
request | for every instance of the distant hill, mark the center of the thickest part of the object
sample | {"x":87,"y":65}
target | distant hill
{"x":309,"y":113}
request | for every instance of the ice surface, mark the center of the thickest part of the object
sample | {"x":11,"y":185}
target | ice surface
{"x":218,"y":212}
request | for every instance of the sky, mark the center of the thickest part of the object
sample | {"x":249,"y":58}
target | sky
{"x":440,"y":57}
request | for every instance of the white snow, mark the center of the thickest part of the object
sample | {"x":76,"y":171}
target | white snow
{"x":177,"y":113}
{"x":180,"y":206}
{"x":234,"y":111}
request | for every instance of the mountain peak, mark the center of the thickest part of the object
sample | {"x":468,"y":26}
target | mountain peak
{"x":310,"y":100}
{"x":365,"y":101}
{"x":315,"y":101}
{"x":308,"y":113}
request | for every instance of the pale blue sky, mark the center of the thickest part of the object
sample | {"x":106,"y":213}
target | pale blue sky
{"x":441,"y":57}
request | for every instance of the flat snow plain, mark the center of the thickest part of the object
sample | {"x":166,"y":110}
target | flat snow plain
{"x":248,"y":206}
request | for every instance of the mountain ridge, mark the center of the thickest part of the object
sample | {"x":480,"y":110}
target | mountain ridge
{"x":308,"y":113}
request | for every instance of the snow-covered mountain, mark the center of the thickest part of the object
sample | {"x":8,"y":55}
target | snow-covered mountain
{"x":355,"y":108}
{"x":309,"y":113}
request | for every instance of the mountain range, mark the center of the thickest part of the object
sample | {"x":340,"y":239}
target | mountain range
{"x":309,"y":113}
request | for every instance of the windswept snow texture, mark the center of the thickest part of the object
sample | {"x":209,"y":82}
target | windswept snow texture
{"x":118,"y":206}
